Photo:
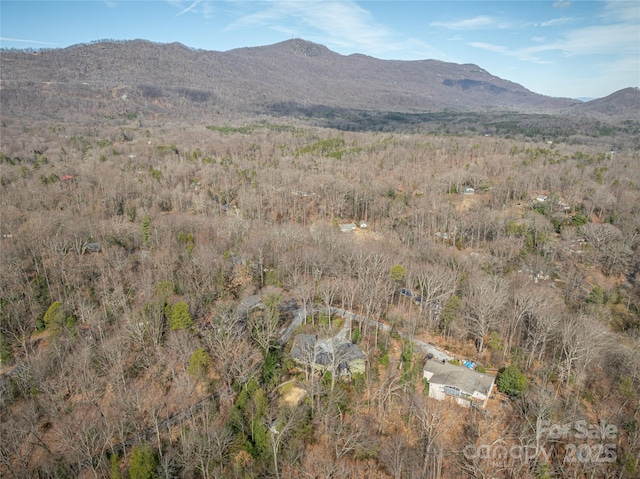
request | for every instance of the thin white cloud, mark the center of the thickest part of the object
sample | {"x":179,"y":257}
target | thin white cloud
{"x":622,"y":11}
{"x":617,"y":35}
{"x":480,"y":21}
{"x":21,"y":40}
{"x":562,"y":4}
{"x":336,"y":24}
{"x":522,"y":54}
{"x":189,"y":8}
{"x":613,"y":76}
{"x":340,"y":19}
{"x":198,"y":7}
{"x":602,"y":39}
{"x":207,"y":10}
{"x":490,"y":47}
{"x":557,"y":22}
{"x":627,"y":66}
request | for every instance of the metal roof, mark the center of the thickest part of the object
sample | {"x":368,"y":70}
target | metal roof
{"x":463,"y":378}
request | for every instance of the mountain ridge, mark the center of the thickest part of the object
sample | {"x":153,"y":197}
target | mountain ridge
{"x":173,"y":79}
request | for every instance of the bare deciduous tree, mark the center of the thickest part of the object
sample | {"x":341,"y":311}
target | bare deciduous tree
{"x":435,"y":284}
{"x":204,"y":444}
{"x":432,"y":420}
{"x":582,"y":338}
{"x":394,"y":454}
{"x":235,"y":358}
{"x":483,"y":301}
{"x":386,"y":392}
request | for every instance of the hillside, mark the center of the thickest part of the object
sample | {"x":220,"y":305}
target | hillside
{"x":144,"y":75}
{"x":622,"y":104}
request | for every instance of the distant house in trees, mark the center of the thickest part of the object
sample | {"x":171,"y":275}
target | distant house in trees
{"x":91,"y":248}
{"x":464,"y":385}
{"x":556,"y":201}
{"x":333,"y":354}
{"x":248,"y":304}
{"x":561,"y":204}
{"x":348,"y":228}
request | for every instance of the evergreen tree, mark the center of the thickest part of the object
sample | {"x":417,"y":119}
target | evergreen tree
{"x":180,"y":316}
{"x":199,"y":363}
{"x":512,"y":381}
{"x":143,"y":463}
{"x":54,"y":317}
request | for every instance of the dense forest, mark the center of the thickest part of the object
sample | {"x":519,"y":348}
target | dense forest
{"x":128,"y":250}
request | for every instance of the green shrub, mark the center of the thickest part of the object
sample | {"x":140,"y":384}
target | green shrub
{"x":114,"y":472}
{"x":146,"y":230}
{"x":6,"y":355}
{"x":597,"y":295}
{"x":384,"y":360}
{"x":512,"y":381}
{"x":143,"y":463}
{"x":495,"y":342}
{"x":579,"y":220}
{"x":54,"y":317}
{"x":270,"y":369}
{"x":398,"y":272}
{"x":324,"y":319}
{"x":199,"y":363}
{"x":180,"y":316}
{"x":164,"y":289}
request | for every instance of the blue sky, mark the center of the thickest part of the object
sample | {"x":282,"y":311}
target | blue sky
{"x":559,"y":48}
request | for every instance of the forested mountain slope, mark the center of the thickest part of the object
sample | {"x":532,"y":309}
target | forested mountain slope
{"x":151,"y":75}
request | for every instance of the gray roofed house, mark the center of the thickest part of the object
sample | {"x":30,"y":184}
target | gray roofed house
{"x":465,"y":385}
{"x":328,"y":354}
{"x":91,"y":248}
{"x":303,"y":349}
{"x":249,"y":303}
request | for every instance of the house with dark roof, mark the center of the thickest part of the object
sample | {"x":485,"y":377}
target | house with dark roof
{"x":332,"y":354}
{"x":466,"y":386}
{"x":247,"y":304}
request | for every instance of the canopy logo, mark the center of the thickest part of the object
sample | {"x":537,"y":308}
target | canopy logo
{"x":578,"y":441}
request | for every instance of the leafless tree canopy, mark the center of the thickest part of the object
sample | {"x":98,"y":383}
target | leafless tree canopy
{"x":136,"y":216}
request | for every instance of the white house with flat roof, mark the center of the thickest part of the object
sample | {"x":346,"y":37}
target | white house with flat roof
{"x":464,"y":385}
